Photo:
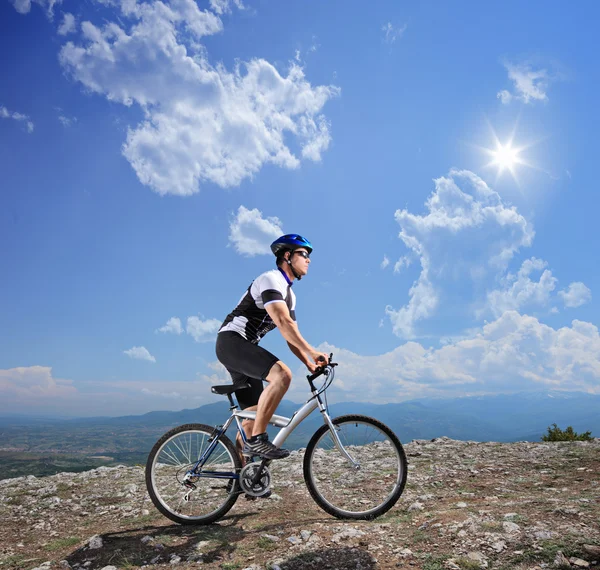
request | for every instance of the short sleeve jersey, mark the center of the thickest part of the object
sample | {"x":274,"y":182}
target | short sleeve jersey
{"x":250,"y":318}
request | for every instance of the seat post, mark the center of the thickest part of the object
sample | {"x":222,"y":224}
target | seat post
{"x":231,"y":401}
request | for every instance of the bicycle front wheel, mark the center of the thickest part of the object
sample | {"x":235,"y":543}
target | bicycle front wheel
{"x":366,"y":489}
{"x":216,"y":488}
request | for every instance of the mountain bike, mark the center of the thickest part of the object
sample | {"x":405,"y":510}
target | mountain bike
{"x":354,"y":466}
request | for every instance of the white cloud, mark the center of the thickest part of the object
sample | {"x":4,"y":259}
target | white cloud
{"x":161,"y":394}
{"x":514,"y":353}
{"x":68,"y":24}
{"x":504,"y":96}
{"x":224,"y":6}
{"x":521,"y":291}
{"x":251,"y":234}
{"x":530,"y":84}
{"x":139,"y":353}
{"x":67,"y":121}
{"x":219,"y":375}
{"x":404,"y":261}
{"x":24,"y":6}
{"x":173,"y":326}
{"x":391,"y":33}
{"x":385,"y":262}
{"x":6,"y":114}
{"x":202,"y":331}
{"x":466,"y":237}
{"x":576,"y":295}
{"x":202,"y":122}
{"x":29,"y":383}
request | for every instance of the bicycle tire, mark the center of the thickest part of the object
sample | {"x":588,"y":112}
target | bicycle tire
{"x":341,"y":490}
{"x":172,"y":456}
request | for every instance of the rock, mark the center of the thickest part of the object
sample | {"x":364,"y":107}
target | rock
{"x":305,"y":534}
{"x":560,"y":561}
{"x":109,"y":568}
{"x":579,"y":562}
{"x":175,"y":559}
{"x":294,"y":540}
{"x":347,"y":533}
{"x":405,"y":552}
{"x":462,"y":505}
{"x":511,"y":527}
{"x":510,"y":515}
{"x":271,"y":537}
{"x":543,"y":534}
{"x":592,"y":549}
{"x":479,"y":558}
{"x":416,"y":506}
{"x":499,"y":546}
{"x":95,"y":543}
{"x":146,"y":539}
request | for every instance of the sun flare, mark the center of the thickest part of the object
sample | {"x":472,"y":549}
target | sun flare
{"x":506,"y":157}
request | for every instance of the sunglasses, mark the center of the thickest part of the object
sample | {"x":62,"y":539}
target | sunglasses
{"x":304,"y":254}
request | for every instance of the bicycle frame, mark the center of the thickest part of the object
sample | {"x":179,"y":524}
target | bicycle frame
{"x":286,"y":425}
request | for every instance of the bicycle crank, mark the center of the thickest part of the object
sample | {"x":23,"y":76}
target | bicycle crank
{"x":258,"y":488}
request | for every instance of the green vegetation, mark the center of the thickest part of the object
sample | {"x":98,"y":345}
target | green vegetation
{"x":266,"y":543}
{"x":43,"y":464}
{"x":61,"y":543}
{"x":435,"y":562}
{"x":570,"y":545}
{"x":492,"y":526}
{"x":556,"y":434}
{"x":468,"y":564}
{"x":15,"y":562}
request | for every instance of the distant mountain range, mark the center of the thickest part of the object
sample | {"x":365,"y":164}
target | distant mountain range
{"x":44,"y":446}
{"x":515,"y":417}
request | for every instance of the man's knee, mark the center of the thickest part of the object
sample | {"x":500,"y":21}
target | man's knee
{"x":280,"y":374}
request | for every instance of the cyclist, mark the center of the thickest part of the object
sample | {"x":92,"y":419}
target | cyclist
{"x":268,"y":303}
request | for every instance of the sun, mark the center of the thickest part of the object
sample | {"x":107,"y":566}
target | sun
{"x":506,"y":156}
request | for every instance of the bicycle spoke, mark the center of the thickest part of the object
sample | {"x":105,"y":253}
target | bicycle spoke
{"x":362,"y":490}
{"x":170,"y":461}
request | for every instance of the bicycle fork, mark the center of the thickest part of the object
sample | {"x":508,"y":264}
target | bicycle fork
{"x":336,"y":439}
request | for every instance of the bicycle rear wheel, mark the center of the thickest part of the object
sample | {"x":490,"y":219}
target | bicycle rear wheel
{"x":347,"y":492}
{"x":173,"y":455}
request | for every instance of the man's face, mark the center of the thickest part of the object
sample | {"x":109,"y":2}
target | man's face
{"x":300,"y":259}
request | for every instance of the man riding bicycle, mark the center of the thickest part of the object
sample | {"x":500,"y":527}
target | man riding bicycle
{"x":269,"y":302}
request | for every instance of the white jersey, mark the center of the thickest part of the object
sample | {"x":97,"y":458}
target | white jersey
{"x":249,"y":318}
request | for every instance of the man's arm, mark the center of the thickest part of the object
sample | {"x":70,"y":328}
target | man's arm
{"x":299,"y":354}
{"x":288,"y":328}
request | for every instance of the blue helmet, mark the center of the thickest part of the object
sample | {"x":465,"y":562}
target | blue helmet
{"x":290,"y":242}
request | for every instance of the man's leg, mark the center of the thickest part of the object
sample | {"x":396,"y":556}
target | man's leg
{"x":247,"y":426}
{"x":279,"y":379}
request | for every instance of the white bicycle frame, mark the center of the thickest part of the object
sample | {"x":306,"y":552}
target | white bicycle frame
{"x":288,"y":425}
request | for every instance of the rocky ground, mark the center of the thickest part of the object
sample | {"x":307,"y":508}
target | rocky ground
{"x":466,"y":505}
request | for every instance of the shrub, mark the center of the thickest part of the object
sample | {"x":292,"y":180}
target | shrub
{"x":557,"y":434}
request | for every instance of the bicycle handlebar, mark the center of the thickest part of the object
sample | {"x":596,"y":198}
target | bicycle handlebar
{"x":321,"y":369}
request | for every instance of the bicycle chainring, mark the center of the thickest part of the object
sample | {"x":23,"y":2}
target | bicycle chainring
{"x":261,"y":487}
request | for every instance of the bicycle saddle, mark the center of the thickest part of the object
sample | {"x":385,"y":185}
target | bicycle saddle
{"x":225,"y":389}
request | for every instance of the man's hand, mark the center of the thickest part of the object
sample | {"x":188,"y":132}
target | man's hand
{"x":320,"y":358}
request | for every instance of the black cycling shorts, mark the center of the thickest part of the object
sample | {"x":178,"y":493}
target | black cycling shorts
{"x":246,"y":362}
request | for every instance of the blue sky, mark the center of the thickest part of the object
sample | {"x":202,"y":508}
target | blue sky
{"x":152,"y":150}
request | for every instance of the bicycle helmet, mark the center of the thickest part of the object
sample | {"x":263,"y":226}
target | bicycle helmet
{"x":290,"y":242}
